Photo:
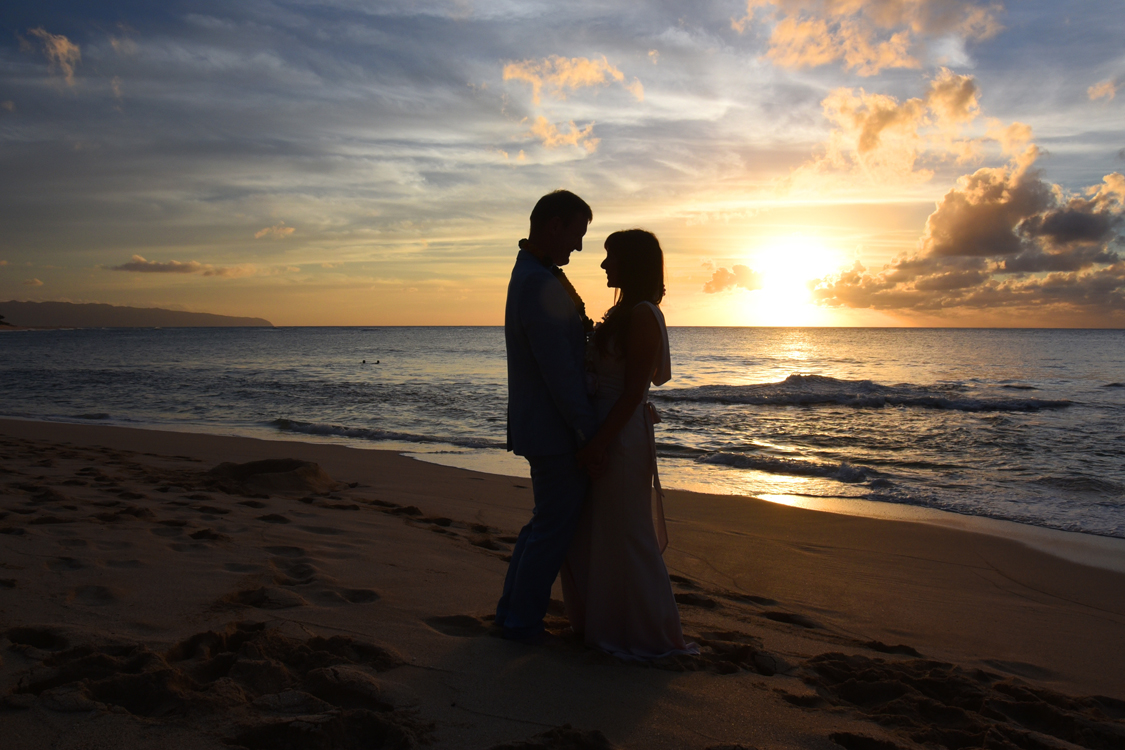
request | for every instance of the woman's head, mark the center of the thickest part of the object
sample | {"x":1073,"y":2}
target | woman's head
{"x":634,"y":264}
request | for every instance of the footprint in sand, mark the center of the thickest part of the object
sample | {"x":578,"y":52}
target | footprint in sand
{"x":252,"y":503}
{"x":696,"y":600}
{"x":241,"y":567}
{"x":208,"y":535}
{"x":124,"y":564}
{"x":188,"y":547}
{"x":750,"y":598}
{"x":346,"y":596}
{"x":36,"y":638}
{"x":283,"y":551}
{"x":273,"y":518}
{"x":459,"y":626}
{"x":791,"y":619}
{"x":883,"y":648}
{"x":93,"y":596}
{"x":325,"y":530}
{"x":211,"y":510}
{"x":63,"y":564}
{"x":359,"y":596}
{"x":49,"y":519}
{"x":266,"y":597}
{"x":297,"y":572}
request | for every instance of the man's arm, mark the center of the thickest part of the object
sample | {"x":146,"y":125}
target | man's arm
{"x":547,"y":315}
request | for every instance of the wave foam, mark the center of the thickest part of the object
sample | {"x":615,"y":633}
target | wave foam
{"x":813,"y":390}
{"x":842,"y":472}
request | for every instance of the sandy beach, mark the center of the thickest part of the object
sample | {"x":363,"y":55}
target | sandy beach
{"x":148,"y":600}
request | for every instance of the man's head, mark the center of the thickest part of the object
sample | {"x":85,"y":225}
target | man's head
{"x":558,"y":224}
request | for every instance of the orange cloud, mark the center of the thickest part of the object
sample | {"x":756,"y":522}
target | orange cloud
{"x":276,"y":232}
{"x":33,"y":282}
{"x":62,"y":54}
{"x":8,"y":105}
{"x":1004,"y":238}
{"x":1104,"y":90}
{"x":867,"y":36}
{"x":1012,"y":138}
{"x":558,"y":75}
{"x":738,"y":276}
{"x":552,"y":137}
{"x":883,"y":138}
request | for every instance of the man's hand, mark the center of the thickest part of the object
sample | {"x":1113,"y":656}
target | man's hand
{"x":593,"y":459}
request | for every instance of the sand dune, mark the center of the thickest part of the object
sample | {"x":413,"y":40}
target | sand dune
{"x":339,"y":598}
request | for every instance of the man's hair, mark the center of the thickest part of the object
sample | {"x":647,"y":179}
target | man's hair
{"x":561,"y":203}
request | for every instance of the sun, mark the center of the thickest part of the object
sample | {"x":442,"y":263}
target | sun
{"x":785,"y":266}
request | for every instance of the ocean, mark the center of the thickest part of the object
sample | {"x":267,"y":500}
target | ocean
{"x":1021,"y":425}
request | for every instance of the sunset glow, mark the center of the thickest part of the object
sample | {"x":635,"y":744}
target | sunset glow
{"x":939,"y":164}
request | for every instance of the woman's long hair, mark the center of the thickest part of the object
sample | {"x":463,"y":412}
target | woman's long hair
{"x":641,"y":270}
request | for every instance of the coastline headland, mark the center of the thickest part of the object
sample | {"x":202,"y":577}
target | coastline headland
{"x":92,"y":315}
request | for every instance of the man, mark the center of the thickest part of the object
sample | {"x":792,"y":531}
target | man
{"x":549,"y":413}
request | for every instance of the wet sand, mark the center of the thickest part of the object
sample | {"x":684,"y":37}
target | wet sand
{"x":147,"y":600}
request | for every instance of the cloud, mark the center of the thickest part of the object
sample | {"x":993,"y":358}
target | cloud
{"x":123,"y":45}
{"x":883,"y":138}
{"x":33,"y":282}
{"x":558,"y":75}
{"x":1012,"y":138}
{"x":62,"y":54}
{"x":8,"y":105}
{"x":3,"y":262}
{"x":552,"y":137}
{"x":1004,"y":237}
{"x":276,"y":232}
{"x":140,"y":265}
{"x":1104,"y":90}
{"x":737,"y":276}
{"x":865,"y":36}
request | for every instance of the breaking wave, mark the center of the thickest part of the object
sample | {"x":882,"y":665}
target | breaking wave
{"x":813,"y":390}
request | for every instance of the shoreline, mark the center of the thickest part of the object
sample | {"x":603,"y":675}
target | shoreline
{"x":120,"y":541}
{"x":1094,"y":550}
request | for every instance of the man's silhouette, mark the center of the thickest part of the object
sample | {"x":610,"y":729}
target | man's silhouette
{"x":549,"y":413}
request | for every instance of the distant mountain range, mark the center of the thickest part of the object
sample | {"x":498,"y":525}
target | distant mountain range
{"x":70,"y":315}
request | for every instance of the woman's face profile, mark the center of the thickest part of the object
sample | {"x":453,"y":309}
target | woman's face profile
{"x":612,"y":266}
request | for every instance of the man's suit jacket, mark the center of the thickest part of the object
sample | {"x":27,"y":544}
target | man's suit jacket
{"x":549,"y":412}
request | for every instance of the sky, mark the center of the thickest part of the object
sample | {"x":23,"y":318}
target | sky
{"x":803,"y":162}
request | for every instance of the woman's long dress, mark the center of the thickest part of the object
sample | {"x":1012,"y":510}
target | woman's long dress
{"x":615,"y":584}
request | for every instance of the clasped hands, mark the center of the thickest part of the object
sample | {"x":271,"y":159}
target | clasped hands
{"x":593,"y":457}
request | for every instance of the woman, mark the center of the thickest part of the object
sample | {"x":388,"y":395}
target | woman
{"x":615,"y":585}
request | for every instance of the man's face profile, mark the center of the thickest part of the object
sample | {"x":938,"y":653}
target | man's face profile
{"x":566,"y":238}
